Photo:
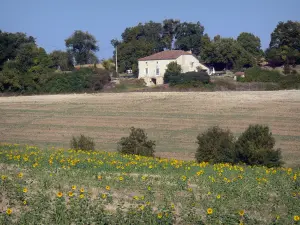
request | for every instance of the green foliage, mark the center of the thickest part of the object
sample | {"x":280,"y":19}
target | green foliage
{"x":250,"y":43}
{"x":291,"y":81}
{"x":256,"y":147}
{"x":82,"y":46}
{"x":10,"y":43}
{"x":109,"y":65}
{"x":149,"y":38}
{"x":215,"y":145}
{"x":83,"y":80}
{"x":173,"y":69}
{"x":284,"y":46}
{"x":256,"y":74}
{"x":226,"y":53}
{"x":82,"y":142}
{"x":62,"y":60}
{"x":137,"y":143}
{"x":191,"y":79}
{"x":188,"y":37}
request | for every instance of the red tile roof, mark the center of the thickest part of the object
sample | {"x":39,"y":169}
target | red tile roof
{"x":169,"y":54}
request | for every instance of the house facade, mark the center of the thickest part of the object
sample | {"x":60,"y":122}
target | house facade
{"x":152,"y":68}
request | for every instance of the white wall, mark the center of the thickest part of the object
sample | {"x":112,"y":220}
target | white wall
{"x":187,"y":62}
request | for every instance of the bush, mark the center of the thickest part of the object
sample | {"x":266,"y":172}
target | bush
{"x":215,"y":145}
{"x":256,"y":74}
{"x":137,"y":143}
{"x":256,"y":147}
{"x":194,"y":79}
{"x":290,"y":82}
{"x":173,"y":69}
{"x":82,"y":143}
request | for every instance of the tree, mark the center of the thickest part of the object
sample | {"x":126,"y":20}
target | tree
{"x":188,"y":37}
{"x":216,"y":146}
{"x":227,"y":53}
{"x":137,"y":143}
{"x":10,"y":43}
{"x":169,"y":28}
{"x":284,"y":46}
{"x":173,"y":69}
{"x":82,"y":46}
{"x":62,"y":60}
{"x":255,"y":146}
{"x":250,"y":43}
{"x":109,"y":65}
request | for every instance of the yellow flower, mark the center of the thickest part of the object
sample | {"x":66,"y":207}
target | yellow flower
{"x":241,"y":212}
{"x":71,"y":194}
{"x":159,"y":215}
{"x":107,"y":188}
{"x":144,"y":177}
{"x":142,"y":207}
{"x":3,"y":177}
{"x":25,"y":190}
{"x":99,"y":177}
{"x":103,"y":196}
{"x":121,"y":178}
{"x":59,"y":194}
{"x":149,"y":188}
{"x":9,"y":211}
{"x":25,"y":202}
{"x":296,"y":218}
{"x":81,"y":190}
{"x":81,"y":196}
{"x":218,"y":196}
{"x":190,"y":189}
{"x":74,"y":187}
{"x":20,"y":175}
{"x":209,"y":193}
{"x":209,"y":211}
{"x":183,"y":178}
{"x":136,"y":197}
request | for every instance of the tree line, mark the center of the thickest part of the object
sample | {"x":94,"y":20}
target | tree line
{"x":25,"y":66}
{"x":220,"y":52}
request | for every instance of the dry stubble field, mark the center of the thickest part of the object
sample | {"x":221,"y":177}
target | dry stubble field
{"x":172,"y":119}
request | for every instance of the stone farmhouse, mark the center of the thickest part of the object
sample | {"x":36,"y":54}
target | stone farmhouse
{"x":152,"y":68}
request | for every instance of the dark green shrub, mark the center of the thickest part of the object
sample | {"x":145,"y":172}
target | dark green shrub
{"x":290,"y":82}
{"x":256,"y":147}
{"x":194,"y":79}
{"x":173,"y":69}
{"x":82,"y":142}
{"x":137,"y":143}
{"x":256,"y":74}
{"x":215,"y":145}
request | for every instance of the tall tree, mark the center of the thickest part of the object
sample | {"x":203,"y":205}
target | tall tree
{"x":226,"y":53}
{"x":10,"y":43}
{"x":250,"y":43}
{"x":169,"y":27}
{"x":82,"y":46}
{"x":284,"y":46}
{"x":188,"y":37}
{"x":62,"y":60}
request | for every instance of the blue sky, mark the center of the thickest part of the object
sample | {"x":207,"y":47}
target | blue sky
{"x":52,"y":21}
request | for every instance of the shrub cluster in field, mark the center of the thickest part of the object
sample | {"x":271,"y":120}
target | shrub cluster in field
{"x":56,"y":186}
{"x":253,"y":147}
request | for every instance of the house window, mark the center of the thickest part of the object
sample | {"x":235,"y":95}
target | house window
{"x":157,"y":71}
{"x":146,"y":71}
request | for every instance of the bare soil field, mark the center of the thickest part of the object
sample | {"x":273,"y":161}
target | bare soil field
{"x":172,"y":119}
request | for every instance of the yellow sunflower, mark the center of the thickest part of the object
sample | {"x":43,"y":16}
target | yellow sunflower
{"x":59,"y":194}
{"x":209,"y":211}
{"x":9,"y":211}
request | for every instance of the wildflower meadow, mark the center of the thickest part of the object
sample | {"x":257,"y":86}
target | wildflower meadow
{"x":58,"y":186}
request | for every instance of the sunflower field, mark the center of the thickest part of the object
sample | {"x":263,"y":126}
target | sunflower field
{"x":58,"y":186}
